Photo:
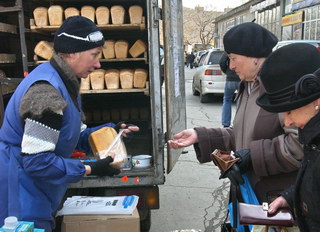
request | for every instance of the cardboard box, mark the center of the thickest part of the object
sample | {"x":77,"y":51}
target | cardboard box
{"x":102,"y":223}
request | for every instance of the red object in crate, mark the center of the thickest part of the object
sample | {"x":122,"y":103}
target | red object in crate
{"x":77,"y":154}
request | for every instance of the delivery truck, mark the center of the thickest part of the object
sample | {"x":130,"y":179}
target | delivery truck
{"x":137,"y":31}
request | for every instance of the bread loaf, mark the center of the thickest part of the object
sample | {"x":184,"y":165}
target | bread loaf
{"x":55,"y":13}
{"x":88,"y":12}
{"x":71,"y":11}
{"x":44,"y":50}
{"x":140,"y":78}
{"x":117,"y":14}
{"x":97,"y":79}
{"x":108,"y":49}
{"x":138,"y":48}
{"x":135,"y":14}
{"x":102,"y":15}
{"x":40,"y":15}
{"x":101,"y":139}
{"x":121,"y":49}
{"x":112,"y":78}
{"x":126,"y":78}
{"x":85,"y":83}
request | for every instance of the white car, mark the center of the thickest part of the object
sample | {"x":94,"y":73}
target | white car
{"x":208,"y":78}
{"x":197,"y":58}
{"x":280,"y":44}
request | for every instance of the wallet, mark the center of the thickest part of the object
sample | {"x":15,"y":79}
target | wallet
{"x":255,"y":215}
{"x":223,"y":159}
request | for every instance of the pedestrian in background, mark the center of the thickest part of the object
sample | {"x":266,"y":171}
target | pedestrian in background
{"x":291,"y":76}
{"x":232,"y":84}
{"x":43,"y":125}
{"x":269,"y":153}
{"x":190,"y":60}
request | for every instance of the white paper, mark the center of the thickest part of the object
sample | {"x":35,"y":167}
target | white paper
{"x":99,"y":205}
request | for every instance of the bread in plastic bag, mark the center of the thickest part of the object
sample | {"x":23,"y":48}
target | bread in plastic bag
{"x":117,"y":150}
{"x":101,"y":139}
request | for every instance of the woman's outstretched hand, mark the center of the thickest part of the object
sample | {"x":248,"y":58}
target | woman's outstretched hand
{"x":183,"y":139}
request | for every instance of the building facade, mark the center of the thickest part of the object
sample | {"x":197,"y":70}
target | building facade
{"x":287,"y":19}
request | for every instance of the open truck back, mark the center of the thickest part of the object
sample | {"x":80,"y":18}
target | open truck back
{"x":143,"y":107}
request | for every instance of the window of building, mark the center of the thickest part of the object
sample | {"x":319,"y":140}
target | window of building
{"x":287,"y":7}
{"x":311,"y":24}
{"x":270,"y":20}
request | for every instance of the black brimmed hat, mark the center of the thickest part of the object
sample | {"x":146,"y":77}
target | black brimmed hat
{"x":249,"y":39}
{"x":291,"y":77}
{"x":77,"y":34}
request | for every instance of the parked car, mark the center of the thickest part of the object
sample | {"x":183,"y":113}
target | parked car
{"x":197,"y":58}
{"x":208,"y":78}
{"x":280,"y":44}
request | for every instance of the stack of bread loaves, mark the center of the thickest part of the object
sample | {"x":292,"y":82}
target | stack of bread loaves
{"x":55,"y":14}
{"x":119,"y":49}
{"x":114,"y":78}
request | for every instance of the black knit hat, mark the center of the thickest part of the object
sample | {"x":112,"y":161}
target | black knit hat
{"x":249,"y":39}
{"x":291,"y":77}
{"x":77,"y":34}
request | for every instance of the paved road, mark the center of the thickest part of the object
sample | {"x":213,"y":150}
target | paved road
{"x":193,"y":197}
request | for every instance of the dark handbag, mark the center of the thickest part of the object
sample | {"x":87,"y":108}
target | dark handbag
{"x":256,"y":215}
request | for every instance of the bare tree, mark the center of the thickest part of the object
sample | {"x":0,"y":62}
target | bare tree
{"x":205,"y":26}
{"x":198,"y":25}
{"x":190,"y":33}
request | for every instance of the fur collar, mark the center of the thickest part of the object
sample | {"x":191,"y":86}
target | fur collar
{"x":68,"y":77}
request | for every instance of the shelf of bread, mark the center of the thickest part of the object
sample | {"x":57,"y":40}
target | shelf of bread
{"x":113,"y":18}
{"x":113,"y":51}
{"x":40,"y":60}
{"x":145,"y":91}
{"x":116,"y":81}
{"x":107,"y":27}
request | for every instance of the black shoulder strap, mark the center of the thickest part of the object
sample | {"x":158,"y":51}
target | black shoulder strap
{"x":235,"y":197}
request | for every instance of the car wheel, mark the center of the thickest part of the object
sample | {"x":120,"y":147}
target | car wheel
{"x":204,"y":98}
{"x":194,"y":91}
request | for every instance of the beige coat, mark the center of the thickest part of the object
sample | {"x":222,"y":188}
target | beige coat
{"x":275,"y":150}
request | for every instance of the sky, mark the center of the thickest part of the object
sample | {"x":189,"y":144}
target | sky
{"x":218,"y":5}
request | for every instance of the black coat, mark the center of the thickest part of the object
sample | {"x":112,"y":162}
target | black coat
{"x":304,"y":197}
{"x":224,"y":66}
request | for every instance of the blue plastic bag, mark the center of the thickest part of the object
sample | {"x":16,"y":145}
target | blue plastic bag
{"x":248,"y":196}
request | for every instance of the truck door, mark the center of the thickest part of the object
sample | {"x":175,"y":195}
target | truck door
{"x":174,"y":74}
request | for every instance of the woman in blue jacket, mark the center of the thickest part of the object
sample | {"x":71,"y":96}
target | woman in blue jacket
{"x":43,"y":125}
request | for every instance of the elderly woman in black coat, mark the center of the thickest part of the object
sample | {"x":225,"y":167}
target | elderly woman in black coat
{"x":291,"y":76}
